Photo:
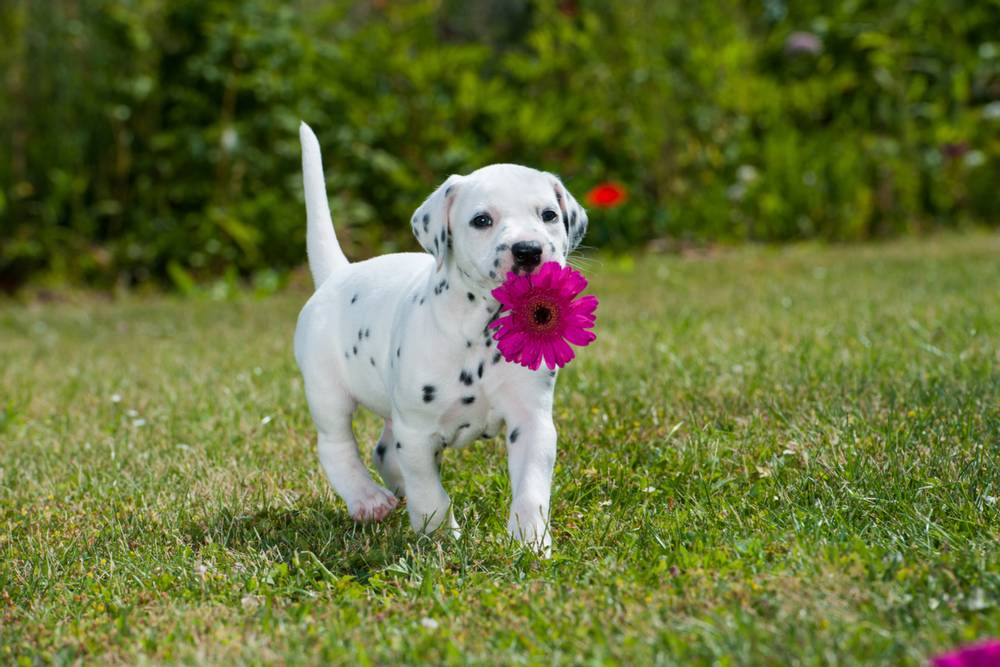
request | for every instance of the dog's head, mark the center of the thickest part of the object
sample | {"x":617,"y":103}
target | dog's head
{"x":500,"y":218}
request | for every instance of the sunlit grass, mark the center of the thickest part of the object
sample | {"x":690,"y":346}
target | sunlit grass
{"x":769,"y":456}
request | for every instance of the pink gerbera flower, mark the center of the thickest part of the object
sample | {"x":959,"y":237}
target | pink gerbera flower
{"x":985,"y":654}
{"x":544,"y":314}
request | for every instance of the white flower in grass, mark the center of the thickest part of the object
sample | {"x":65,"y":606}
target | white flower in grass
{"x":116,"y":398}
{"x":266,"y":420}
{"x":139,"y":422}
{"x":429,"y":623}
{"x":650,"y":489}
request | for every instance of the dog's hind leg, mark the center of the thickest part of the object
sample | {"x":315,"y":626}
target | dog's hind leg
{"x":387,"y":461}
{"x":331,"y":409}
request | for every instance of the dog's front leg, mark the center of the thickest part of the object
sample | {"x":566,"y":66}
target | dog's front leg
{"x":419,"y":457}
{"x":531,"y":456}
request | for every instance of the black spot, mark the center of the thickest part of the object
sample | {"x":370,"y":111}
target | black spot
{"x":347,"y":355}
{"x":372,"y":359}
{"x":465,"y":377}
{"x":497,"y":357}
{"x":552,"y":374}
{"x":489,"y":342}
{"x":514,"y":434}
{"x":479,"y":371}
{"x":468,"y":400}
{"x":421,"y":301}
{"x":472,"y":297}
{"x":429,"y":393}
{"x":461,"y":426}
{"x":380,"y":450}
{"x":399,"y":446}
{"x":361,"y":334}
{"x":354,"y":299}
{"x":397,"y":352}
{"x":493,"y":274}
{"x":502,"y":247}
{"x":368,"y":333}
{"x":447,"y":190}
{"x":468,"y":343}
{"x":427,"y":220}
{"x":496,"y":263}
{"x":355,"y":349}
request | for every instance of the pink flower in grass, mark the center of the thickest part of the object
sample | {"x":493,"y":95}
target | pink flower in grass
{"x":544,"y":314}
{"x":984,"y":654}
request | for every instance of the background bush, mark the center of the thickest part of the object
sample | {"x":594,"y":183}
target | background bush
{"x":148,"y":140}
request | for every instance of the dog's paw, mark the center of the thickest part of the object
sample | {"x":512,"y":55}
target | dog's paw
{"x":374,"y":504}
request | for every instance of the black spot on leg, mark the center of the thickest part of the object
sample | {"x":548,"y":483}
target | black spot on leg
{"x":368,"y":333}
{"x":427,"y":220}
{"x":497,"y":357}
{"x":471,"y":296}
{"x":361,"y":334}
{"x":421,"y":301}
{"x":514,"y":434}
{"x":399,"y":446}
{"x":468,"y":343}
{"x":429,"y":391}
{"x":496,"y":263}
{"x":465,"y":377}
{"x":354,"y":299}
{"x":479,"y":371}
{"x":380,"y":451}
{"x":468,"y":400}
{"x":355,"y":349}
{"x":493,"y":274}
{"x":372,"y":359}
{"x":398,"y":350}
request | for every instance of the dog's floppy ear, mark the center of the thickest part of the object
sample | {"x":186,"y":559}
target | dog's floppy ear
{"x":574,"y":217}
{"x":431,"y":222}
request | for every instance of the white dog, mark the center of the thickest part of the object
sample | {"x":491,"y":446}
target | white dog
{"x":405,"y":335}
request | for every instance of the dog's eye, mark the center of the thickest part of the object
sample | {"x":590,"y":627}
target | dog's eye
{"x":548,"y":215}
{"x":481,"y":221}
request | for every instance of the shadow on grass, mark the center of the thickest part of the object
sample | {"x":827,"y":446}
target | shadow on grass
{"x":311,"y":528}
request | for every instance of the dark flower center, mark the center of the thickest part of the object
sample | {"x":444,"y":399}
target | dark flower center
{"x":542,"y":315}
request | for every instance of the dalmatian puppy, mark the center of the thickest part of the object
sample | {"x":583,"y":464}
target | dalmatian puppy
{"x":406,"y":336}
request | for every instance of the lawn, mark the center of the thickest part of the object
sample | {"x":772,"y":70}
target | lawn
{"x":770,"y":456}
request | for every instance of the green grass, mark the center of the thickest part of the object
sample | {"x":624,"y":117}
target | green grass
{"x":768,"y":457}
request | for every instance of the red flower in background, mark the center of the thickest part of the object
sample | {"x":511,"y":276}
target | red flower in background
{"x":607,"y":195}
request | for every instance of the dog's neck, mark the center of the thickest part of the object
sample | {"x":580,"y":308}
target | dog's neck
{"x":461,"y":308}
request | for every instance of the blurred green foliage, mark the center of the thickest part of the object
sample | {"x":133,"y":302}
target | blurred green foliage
{"x":149,"y":140}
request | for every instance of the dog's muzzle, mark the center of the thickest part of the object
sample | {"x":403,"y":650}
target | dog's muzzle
{"x":527,"y":254}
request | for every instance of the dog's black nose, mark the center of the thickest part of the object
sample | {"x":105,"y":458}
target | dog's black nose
{"x":527,"y":253}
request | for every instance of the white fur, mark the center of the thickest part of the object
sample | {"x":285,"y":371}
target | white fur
{"x":378,"y":332}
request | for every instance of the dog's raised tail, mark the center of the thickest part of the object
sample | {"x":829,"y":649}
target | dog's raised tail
{"x":325,"y":255}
